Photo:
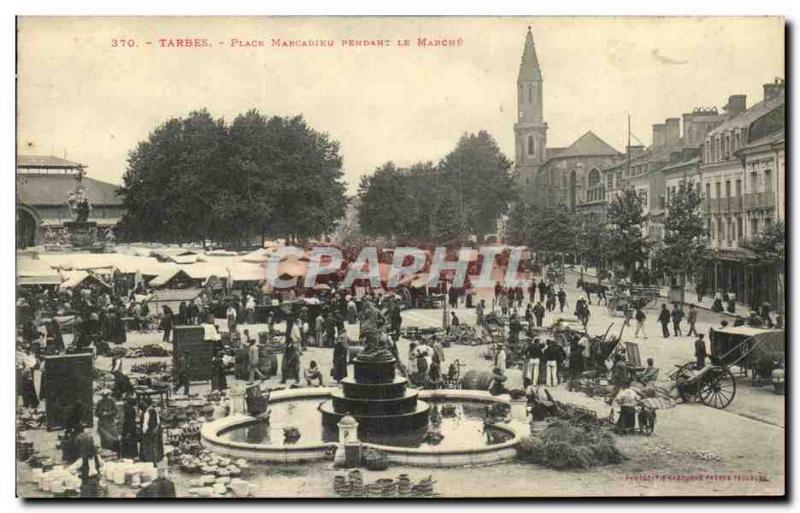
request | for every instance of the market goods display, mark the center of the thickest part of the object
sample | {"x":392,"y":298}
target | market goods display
{"x":352,"y":485}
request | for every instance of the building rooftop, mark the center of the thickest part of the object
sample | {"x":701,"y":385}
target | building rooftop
{"x":744,"y":119}
{"x":46,"y":161}
{"x":49,"y":189}
{"x":587,"y":145}
{"x":778,"y":136}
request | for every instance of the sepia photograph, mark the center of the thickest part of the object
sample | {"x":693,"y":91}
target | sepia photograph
{"x":410,"y":257}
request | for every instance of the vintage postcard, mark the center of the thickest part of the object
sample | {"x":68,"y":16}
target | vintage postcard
{"x":409,"y":257}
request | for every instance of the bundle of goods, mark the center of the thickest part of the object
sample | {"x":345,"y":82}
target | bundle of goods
{"x":129,"y":473}
{"x":462,"y":334}
{"x":564,"y":445}
{"x":376,"y":460}
{"x":212,"y":465}
{"x":219,"y":474}
{"x":415,"y":333}
{"x":149,"y":367}
{"x":186,"y":431}
{"x":117,"y":352}
{"x":25,"y":449}
{"x":353,"y":485}
{"x":150,"y":351}
{"x":58,"y":481}
{"x":32,"y":420}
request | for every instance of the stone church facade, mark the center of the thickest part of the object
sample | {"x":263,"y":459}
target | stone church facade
{"x":551,"y":176}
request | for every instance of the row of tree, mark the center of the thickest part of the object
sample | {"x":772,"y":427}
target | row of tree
{"x":198,"y":178}
{"x":464,"y":194}
{"x":617,"y":237}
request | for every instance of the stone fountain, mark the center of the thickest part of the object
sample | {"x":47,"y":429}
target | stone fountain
{"x":380,"y":401}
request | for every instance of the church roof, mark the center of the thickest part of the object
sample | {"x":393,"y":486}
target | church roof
{"x":54,"y":189}
{"x":588,"y":145}
{"x":529,"y":66}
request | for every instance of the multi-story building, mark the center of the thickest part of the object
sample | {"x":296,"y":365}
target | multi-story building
{"x":742,"y":173}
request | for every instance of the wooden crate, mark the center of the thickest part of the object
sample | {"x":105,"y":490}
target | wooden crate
{"x":67,"y":379}
{"x":189,"y":340}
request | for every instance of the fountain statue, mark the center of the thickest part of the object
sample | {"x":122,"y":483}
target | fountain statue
{"x":81,"y":232}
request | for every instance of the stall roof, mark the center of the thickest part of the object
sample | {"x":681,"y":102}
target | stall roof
{"x":75,"y":278}
{"x":164,"y":295}
{"x":163,"y":279}
{"x":30,"y":281}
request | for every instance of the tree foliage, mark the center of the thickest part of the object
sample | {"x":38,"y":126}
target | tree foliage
{"x":685,"y":246}
{"x":625,"y":240}
{"x":548,"y":231}
{"x":480,"y":174}
{"x":769,"y":245}
{"x":197,"y":179}
{"x":466,"y":193}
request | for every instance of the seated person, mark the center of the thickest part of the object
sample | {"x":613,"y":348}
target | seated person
{"x":497,"y":384}
{"x":650,"y":375}
{"x":312,"y":373}
{"x":627,"y":398}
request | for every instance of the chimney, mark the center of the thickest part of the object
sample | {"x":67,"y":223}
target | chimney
{"x":673,"y":132}
{"x":773,"y":89}
{"x":736,"y":103}
{"x":635,"y":149}
{"x":659,"y":135}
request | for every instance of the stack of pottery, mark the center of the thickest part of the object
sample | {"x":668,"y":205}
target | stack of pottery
{"x":403,"y":485}
{"x":356,"y":483}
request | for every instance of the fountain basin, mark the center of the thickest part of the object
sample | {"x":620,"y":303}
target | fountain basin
{"x":229,"y":435}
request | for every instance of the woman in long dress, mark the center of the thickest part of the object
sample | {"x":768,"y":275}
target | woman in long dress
{"x":106,"y":412}
{"x":152,"y":449}
{"x":129,"y":440}
{"x":340,"y":350}
{"x":290,"y":366}
{"x":218,"y":379}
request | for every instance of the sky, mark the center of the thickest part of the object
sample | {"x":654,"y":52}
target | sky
{"x":81,"y":97}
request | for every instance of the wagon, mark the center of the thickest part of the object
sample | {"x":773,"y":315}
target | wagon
{"x":713,"y":385}
{"x":757,"y":350}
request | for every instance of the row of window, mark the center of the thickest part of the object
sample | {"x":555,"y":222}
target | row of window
{"x":722,"y":146}
{"x":732,"y":230}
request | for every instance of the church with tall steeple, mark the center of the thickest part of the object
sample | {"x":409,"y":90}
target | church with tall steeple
{"x":530,"y":130}
{"x":551,"y":175}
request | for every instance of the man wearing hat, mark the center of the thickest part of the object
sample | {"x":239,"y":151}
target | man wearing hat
{"x":500,"y":357}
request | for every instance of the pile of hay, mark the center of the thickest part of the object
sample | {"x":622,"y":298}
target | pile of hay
{"x":563,"y":445}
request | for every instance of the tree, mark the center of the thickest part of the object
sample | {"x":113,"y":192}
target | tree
{"x":768,"y":245}
{"x":547,"y":231}
{"x":478,"y":172}
{"x":685,"y":247}
{"x":591,"y":239}
{"x":306,"y":169}
{"x":196,"y":179}
{"x":168,"y":188}
{"x":383,"y":198}
{"x":449,"y":227}
{"x":625,"y":242}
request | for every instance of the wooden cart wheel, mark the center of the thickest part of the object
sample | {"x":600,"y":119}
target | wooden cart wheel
{"x":718,"y":388}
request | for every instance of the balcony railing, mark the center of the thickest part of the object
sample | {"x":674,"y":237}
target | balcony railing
{"x":759,"y":200}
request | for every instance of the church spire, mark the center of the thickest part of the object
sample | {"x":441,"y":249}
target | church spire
{"x":529,"y":66}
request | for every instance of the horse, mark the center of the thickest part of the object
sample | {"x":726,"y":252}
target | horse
{"x":593,"y":288}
